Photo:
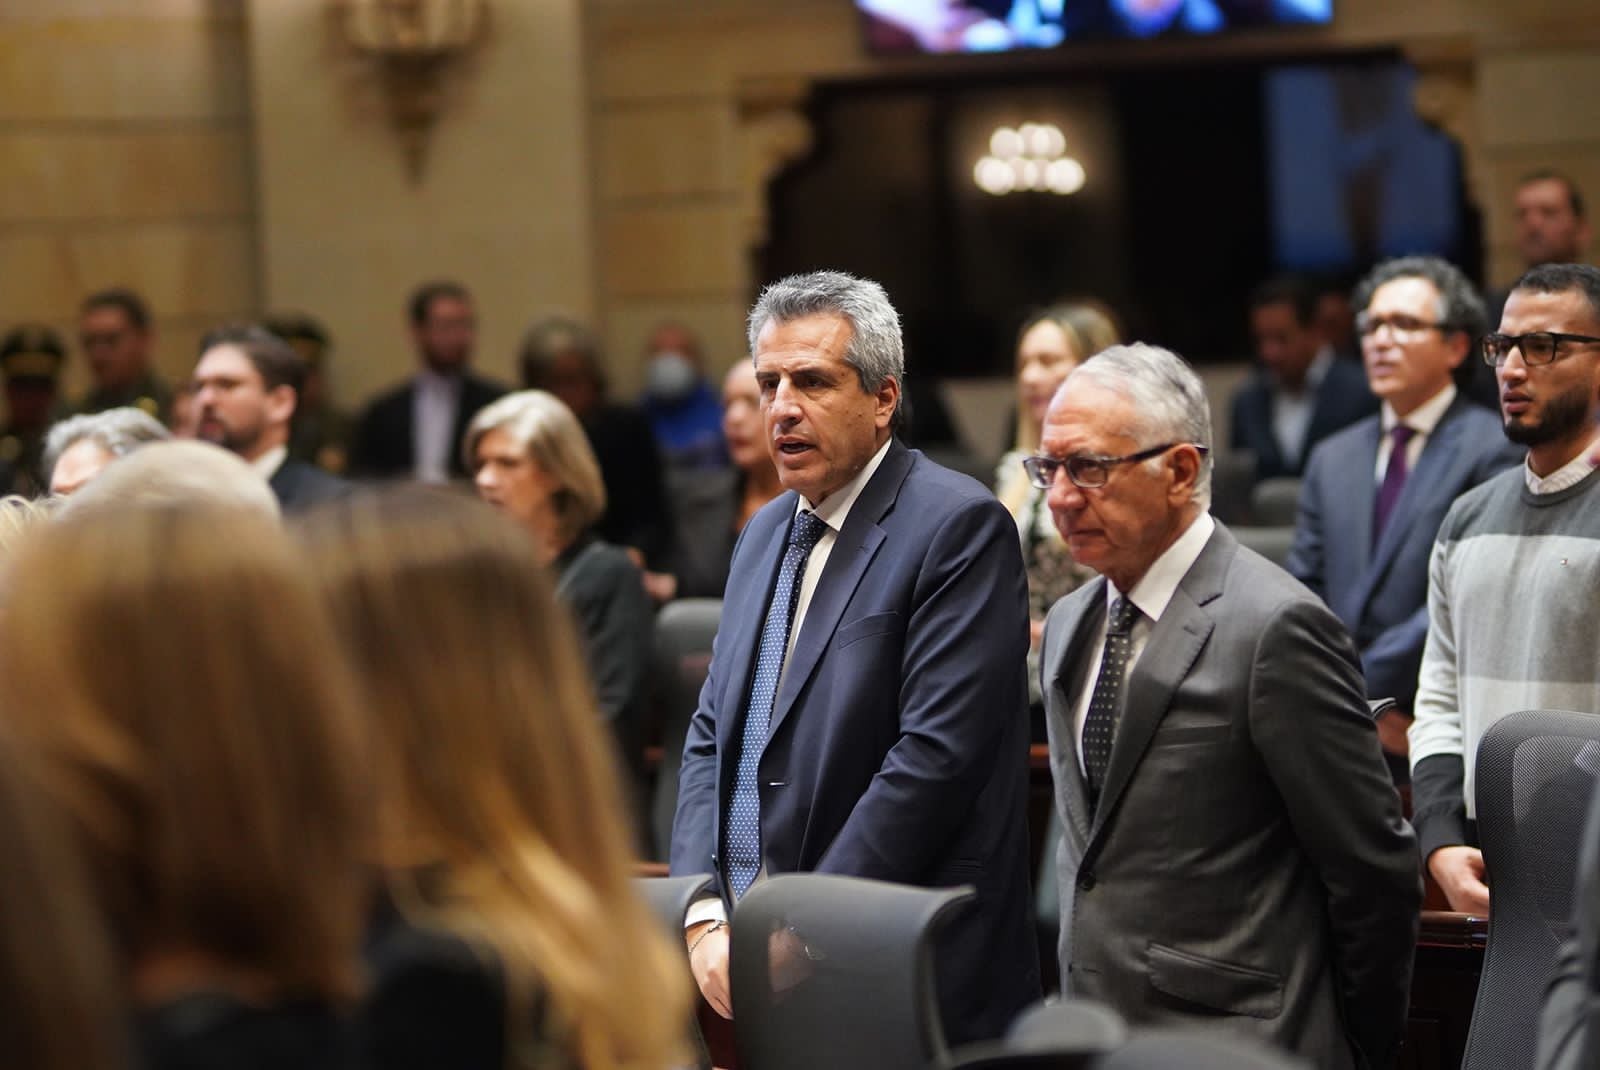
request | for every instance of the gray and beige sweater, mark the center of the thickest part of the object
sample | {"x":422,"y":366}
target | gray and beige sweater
{"x":1512,"y":588}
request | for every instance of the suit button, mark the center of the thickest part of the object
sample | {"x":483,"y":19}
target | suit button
{"x":1085,"y":881}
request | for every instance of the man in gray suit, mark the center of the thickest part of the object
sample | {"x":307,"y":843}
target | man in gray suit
{"x":1233,"y":854}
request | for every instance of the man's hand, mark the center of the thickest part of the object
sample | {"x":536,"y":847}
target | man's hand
{"x":1392,"y":728}
{"x":1459,"y":871}
{"x":708,"y":961}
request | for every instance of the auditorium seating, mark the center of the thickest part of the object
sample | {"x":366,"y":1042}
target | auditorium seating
{"x":837,"y":972}
{"x":1535,"y":773}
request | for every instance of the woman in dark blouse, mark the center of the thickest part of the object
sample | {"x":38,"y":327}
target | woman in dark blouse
{"x":530,"y":459}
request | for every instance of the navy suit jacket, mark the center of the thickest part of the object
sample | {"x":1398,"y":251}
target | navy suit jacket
{"x":300,"y":486}
{"x":382,"y":447}
{"x":1381,"y":592}
{"x":898,"y":743}
{"x":1342,"y":398}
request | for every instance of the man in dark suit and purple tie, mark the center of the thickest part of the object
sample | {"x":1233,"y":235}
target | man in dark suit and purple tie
{"x":866,"y":710}
{"x":1375,"y":494}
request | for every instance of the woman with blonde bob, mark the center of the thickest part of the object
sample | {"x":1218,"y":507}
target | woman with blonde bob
{"x":171,"y":678}
{"x":515,"y":939}
{"x":530,"y":459}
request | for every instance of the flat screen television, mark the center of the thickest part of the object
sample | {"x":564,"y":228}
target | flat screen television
{"x":911,"y":26}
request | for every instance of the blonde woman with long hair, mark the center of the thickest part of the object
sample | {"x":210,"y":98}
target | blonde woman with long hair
{"x":173,"y":682}
{"x":515,"y":938}
{"x":1050,"y":343}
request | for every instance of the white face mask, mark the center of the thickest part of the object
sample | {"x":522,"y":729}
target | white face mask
{"x":670,"y":377}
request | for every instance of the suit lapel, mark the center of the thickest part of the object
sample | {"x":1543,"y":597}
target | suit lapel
{"x":1067,"y":662}
{"x":1438,"y":455}
{"x":853,"y":550}
{"x":1175,"y":642}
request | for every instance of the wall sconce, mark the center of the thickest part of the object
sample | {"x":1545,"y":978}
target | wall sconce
{"x":411,"y":43}
{"x":1032,"y":157}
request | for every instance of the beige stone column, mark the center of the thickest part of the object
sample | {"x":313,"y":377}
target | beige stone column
{"x":125,"y":160}
{"x":502,"y":201}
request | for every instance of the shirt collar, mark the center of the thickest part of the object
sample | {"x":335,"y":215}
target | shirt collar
{"x":1425,"y":417}
{"x":1160,"y":581}
{"x":1319,"y":368}
{"x":837,"y":506}
{"x":1568,"y":475}
{"x":269,"y":463}
{"x":432,"y":382}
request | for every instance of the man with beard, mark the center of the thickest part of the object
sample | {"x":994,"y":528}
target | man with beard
{"x":1510,"y":577}
{"x":246,"y":386}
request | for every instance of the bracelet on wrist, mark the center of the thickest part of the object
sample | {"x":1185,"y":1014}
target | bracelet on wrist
{"x":707,"y":931}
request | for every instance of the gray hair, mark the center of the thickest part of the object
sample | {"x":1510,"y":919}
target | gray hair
{"x":1460,"y":307}
{"x":117,"y":431}
{"x":1168,"y":399}
{"x":876,"y":351}
{"x":549,"y":434}
{"x":181,"y":472}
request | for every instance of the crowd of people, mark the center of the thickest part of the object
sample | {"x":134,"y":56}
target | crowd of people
{"x":322,"y":735}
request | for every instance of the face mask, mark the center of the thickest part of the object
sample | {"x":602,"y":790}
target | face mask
{"x":670,"y":377}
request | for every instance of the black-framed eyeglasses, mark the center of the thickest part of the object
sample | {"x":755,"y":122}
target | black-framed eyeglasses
{"x":1538,"y":347}
{"x":1088,"y":470}
{"x":1400,"y":325}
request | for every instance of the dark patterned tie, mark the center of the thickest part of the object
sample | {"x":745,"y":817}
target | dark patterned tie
{"x":1105,"y":705}
{"x":1394,"y":480}
{"x":742,"y":825}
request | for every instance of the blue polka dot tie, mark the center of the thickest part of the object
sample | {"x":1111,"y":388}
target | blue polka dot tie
{"x":742,"y":827}
{"x":1100,"y":725}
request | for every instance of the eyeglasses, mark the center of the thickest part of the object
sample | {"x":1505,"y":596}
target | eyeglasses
{"x":1088,"y":470}
{"x":1400,"y":326}
{"x":1539,"y":347}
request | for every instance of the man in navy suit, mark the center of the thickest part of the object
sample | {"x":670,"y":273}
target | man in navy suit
{"x":414,"y":431}
{"x":246,"y":387}
{"x":884,"y":733}
{"x":1302,"y":393}
{"x":1375,"y":493}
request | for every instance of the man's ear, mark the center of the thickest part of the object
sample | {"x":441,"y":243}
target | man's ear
{"x":887,"y":401}
{"x":1184,"y":460}
{"x":281,"y":402}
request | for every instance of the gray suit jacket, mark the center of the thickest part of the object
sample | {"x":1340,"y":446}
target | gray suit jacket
{"x":1247,"y":866}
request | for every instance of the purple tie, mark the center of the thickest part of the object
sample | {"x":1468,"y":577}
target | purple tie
{"x":1394,"y":480}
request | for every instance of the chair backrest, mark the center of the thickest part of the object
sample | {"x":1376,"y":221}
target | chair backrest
{"x":837,"y":972}
{"x":1271,"y":543}
{"x":1233,"y":477}
{"x":669,"y":899}
{"x":1192,"y":1049}
{"x":1067,"y":1026}
{"x":1535,"y":777}
{"x":1274,"y":502}
{"x":684,"y":632}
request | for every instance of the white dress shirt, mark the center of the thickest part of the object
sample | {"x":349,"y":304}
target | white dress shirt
{"x":434,"y":402}
{"x":1151,"y":594}
{"x":1568,"y":475}
{"x":1291,"y":413}
{"x":831,"y":512}
{"x":269,"y":463}
{"x":1424,"y":419}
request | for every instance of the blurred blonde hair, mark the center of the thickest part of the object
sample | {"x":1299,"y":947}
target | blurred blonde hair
{"x":19,"y":516}
{"x":63,"y":1009}
{"x":547,"y":431}
{"x":1089,"y":327}
{"x":172,"y":678}
{"x":494,"y":769}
